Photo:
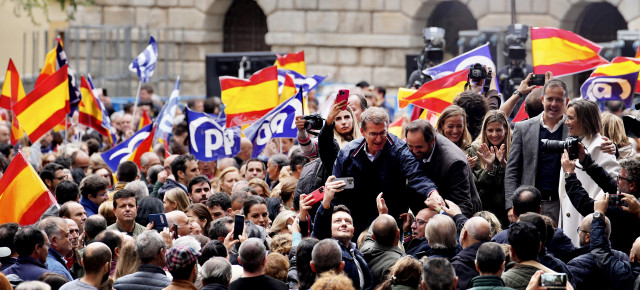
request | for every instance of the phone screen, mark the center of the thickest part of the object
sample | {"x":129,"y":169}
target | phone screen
{"x":238,"y":226}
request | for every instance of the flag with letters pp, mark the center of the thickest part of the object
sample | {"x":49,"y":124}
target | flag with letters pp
{"x":208,"y":141}
{"x":278,"y":123}
{"x":145,"y":63}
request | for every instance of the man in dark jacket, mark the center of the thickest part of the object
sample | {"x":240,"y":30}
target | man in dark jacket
{"x":617,"y":274}
{"x":625,"y":225}
{"x":445,"y":164}
{"x":7,"y":233}
{"x":417,"y":245}
{"x":150,"y":249}
{"x":584,"y":268}
{"x":490,"y":264}
{"x":336,"y":222}
{"x":32,"y":246}
{"x":476,"y":231}
{"x":183,"y":168}
{"x":380,"y":162}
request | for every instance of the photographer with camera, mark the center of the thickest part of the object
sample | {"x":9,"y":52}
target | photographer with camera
{"x":480,"y":80}
{"x":623,"y":207}
{"x":584,"y":124}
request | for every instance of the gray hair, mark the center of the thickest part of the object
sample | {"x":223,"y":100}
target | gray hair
{"x":188,"y":241}
{"x":556,"y":83}
{"x":375,"y":115}
{"x":51,"y":226}
{"x":144,"y":159}
{"x":216,"y":270}
{"x":33,"y":285}
{"x":441,"y":232}
{"x":326,"y":255}
{"x":279,"y":159}
{"x":139,"y":188}
{"x":148,"y":245}
{"x":252,"y":254}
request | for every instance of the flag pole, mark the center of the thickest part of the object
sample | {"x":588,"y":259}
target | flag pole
{"x":135,"y":104}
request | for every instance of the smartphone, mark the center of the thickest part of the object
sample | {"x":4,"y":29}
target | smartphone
{"x":348,"y":182}
{"x":318,"y":195}
{"x":616,"y":200}
{"x":175,"y":232}
{"x":553,"y":280}
{"x":159,"y":221}
{"x":342,"y":96}
{"x":238,"y":226}
{"x":536,"y":80}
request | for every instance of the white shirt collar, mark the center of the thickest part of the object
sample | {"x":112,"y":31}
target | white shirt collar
{"x":432,"y":149}
{"x":558,"y":125}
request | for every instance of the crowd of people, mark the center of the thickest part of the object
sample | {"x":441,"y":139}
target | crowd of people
{"x":473,"y":201}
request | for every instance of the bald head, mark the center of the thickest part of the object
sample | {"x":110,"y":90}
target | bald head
{"x":96,"y":256}
{"x":476,"y":229}
{"x":179,"y":218}
{"x":634,"y":255}
{"x":385,"y":230}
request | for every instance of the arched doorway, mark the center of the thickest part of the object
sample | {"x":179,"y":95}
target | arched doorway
{"x":244,"y":27}
{"x":453,"y":16}
{"x":598,"y":22}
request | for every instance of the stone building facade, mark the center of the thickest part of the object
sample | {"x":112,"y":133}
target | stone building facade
{"x":350,"y":40}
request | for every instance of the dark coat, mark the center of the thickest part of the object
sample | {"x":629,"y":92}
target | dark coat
{"x":379,"y":258}
{"x":168,"y":185}
{"x":614,"y":272}
{"x":27,"y":268}
{"x":464,"y":263}
{"x":350,"y":255}
{"x":450,"y":171}
{"x":586,"y":274}
{"x":418,"y":248}
{"x":395,"y":171}
{"x":488,"y":283}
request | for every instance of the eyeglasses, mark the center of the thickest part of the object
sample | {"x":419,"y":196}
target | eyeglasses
{"x":578,"y":230}
{"x":419,"y":222}
{"x":382,"y":134}
{"x":618,"y":177}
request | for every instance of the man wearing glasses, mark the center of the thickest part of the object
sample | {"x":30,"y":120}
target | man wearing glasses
{"x":52,"y":174}
{"x":624,"y":208}
{"x":379,"y":162}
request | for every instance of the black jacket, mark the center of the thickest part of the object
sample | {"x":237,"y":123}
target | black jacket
{"x":616,"y":273}
{"x":148,"y":277}
{"x":464,"y":263}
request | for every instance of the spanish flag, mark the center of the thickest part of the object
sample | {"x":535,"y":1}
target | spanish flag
{"x":430,"y":116}
{"x":144,"y":120}
{"x":292,"y":61}
{"x":145,"y":146}
{"x":49,"y":67}
{"x":12,"y":92}
{"x":438,"y":94}
{"x":90,"y":111}
{"x":247,"y":101}
{"x":23,"y":195}
{"x":562,"y":52}
{"x":619,"y":66}
{"x":287,"y":90}
{"x":395,"y":127}
{"x":46,"y":106}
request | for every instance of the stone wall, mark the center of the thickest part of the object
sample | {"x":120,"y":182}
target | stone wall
{"x":350,"y":40}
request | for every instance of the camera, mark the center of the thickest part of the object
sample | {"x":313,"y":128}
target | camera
{"x":477,"y":73}
{"x":553,"y":280}
{"x":432,"y":54}
{"x":555,"y":146}
{"x":616,"y":200}
{"x":536,"y":80}
{"x":313,"y":122}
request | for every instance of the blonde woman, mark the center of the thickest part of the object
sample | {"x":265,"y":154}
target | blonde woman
{"x":282,"y":221}
{"x":260,"y":186}
{"x":175,"y":199}
{"x":228,"y":177}
{"x":128,"y":263}
{"x":613,"y":128}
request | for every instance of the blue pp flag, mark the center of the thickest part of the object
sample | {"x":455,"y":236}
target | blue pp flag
{"x":145,"y":63}
{"x":122,"y":151}
{"x":610,"y":88}
{"x":278,"y":123}
{"x":168,"y":112}
{"x":208,"y":141}
{"x":303,"y":83}
{"x":481,"y":55}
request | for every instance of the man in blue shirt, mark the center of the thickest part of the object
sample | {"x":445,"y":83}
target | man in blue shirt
{"x":93,"y":189}
{"x":58,"y":233}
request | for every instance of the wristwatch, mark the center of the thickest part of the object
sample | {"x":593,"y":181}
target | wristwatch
{"x":567,"y":174}
{"x":518,"y":93}
{"x":597,"y":215}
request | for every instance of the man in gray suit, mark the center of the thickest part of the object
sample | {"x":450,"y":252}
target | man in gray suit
{"x":528,"y":164}
{"x":446,"y":164}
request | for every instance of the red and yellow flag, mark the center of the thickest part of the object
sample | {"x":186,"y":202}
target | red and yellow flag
{"x":49,"y":67}
{"x":288,"y":89}
{"x":521,"y":115}
{"x":430,"y":116}
{"x":145,"y":146}
{"x":89,"y":111}
{"x":438,"y":94}
{"x":562,"y":52}
{"x":12,"y":86}
{"x":46,"y":106}
{"x":247,"y":101}
{"x":395,"y":128}
{"x":619,"y":66}
{"x":23,"y":195}
{"x":144,"y":120}
{"x":292,"y":61}
{"x":638,"y":52}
